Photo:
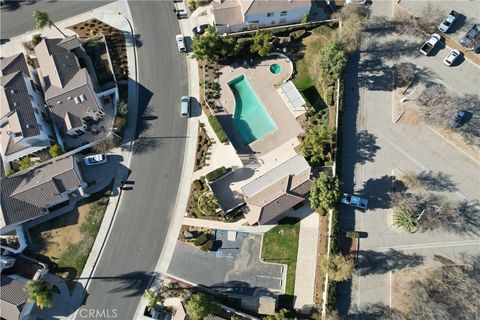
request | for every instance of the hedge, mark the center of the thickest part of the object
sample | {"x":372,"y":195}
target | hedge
{"x":217,"y":173}
{"x":197,"y":184}
{"x":207,"y":246}
{"x":201,"y":240}
{"x":352,"y":234}
{"x":221,"y":135}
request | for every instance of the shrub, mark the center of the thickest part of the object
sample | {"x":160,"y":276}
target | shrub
{"x":36,"y":38}
{"x":304,"y":18}
{"x":217,"y":173}
{"x":352,"y":234}
{"x":221,"y":135}
{"x":299,"y":33}
{"x":329,"y":96}
{"x":9,"y":172}
{"x":207,"y":246}
{"x":201,"y":240}
{"x":232,"y":215}
{"x":120,"y":123}
{"x":197,"y":184}
{"x":55,"y":150}
{"x":25,"y":163}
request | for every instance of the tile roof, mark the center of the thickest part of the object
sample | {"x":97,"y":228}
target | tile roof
{"x":227,"y":12}
{"x":12,"y":296}
{"x":13,"y":64}
{"x":70,"y":43}
{"x":278,"y":190}
{"x":17,"y":113}
{"x":24,"y":196}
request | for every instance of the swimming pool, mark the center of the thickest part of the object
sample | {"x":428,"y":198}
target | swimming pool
{"x":250,"y":119}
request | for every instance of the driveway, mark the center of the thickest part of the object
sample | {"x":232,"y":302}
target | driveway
{"x":235,"y":273}
{"x":373,"y":146}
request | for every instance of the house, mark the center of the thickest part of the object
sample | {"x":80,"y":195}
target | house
{"x":276,"y":191}
{"x":239,"y":15}
{"x":39,"y":192}
{"x":70,"y":90}
{"x":23,"y":126}
{"x":16,"y":271}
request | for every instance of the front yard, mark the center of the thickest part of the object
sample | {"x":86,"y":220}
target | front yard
{"x":64,"y":243}
{"x":280,"y":245}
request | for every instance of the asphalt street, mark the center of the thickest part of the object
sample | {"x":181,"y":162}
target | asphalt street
{"x":17,"y":15}
{"x":373,"y":146}
{"x":144,"y":214}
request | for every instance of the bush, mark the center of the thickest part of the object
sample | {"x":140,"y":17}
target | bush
{"x":329,"y":96}
{"x":120,"y":123}
{"x":298,"y":34}
{"x":304,"y":18}
{"x":201,"y":240}
{"x":207,"y":246}
{"x":197,"y":184}
{"x":217,"y":173}
{"x":331,"y":297}
{"x":36,"y":38}
{"x":25,"y":163}
{"x":352,"y":234}
{"x":232,"y":215}
{"x":55,"y":150}
{"x":9,"y":172}
{"x":221,"y":135}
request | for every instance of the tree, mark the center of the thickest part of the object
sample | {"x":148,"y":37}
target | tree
{"x":429,"y":18}
{"x":212,"y":46}
{"x":153,"y":299}
{"x":280,"y":315}
{"x":332,"y":61}
{"x":106,"y":144}
{"x":25,"y":163}
{"x":314,"y":143}
{"x":261,"y":43}
{"x":42,"y":20}
{"x":353,"y":19}
{"x":201,"y":305}
{"x":405,"y":221}
{"x":325,"y":192}
{"x":338,"y":267}
{"x":55,"y":150}
{"x":40,"y":293}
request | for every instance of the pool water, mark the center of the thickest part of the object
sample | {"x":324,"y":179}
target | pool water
{"x":275,"y":68}
{"x":250,"y":120}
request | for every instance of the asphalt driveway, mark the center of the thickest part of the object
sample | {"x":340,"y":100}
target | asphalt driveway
{"x":236,"y":274}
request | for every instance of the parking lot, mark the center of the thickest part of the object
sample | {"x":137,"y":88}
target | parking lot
{"x":234,"y":269}
{"x":374,"y":146}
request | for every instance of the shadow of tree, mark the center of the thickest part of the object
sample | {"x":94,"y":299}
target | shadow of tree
{"x":376,"y":311}
{"x":378,"y":191}
{"x":374,"y":262}
{"x":367,"y":147}
{"x":438,"y":181}
{"x":132,"y":283}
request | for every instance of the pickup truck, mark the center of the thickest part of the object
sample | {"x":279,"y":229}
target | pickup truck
{"x":448,"y":21}
{"x":471,"y":39}
{"x":430,"y":43}
{"x":355,"y":201}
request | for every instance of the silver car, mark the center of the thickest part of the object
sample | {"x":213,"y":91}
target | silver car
{"x":181,"y":43}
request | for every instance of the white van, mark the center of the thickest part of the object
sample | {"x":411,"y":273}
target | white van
{"x":185,"y":107}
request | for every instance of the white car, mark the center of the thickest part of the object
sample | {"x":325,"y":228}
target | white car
{"x":181,"y":43}
{"x":95,"y":159}
{"x":452,"y":56}
{"x":448,"y":21}
{"x":430,"y":43}
{"x":356,"y":1}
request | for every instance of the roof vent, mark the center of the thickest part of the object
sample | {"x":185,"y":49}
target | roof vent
{"x":12,"y":91}
{"x":58,"y":102}
{"x":15,"y":104}
{"x":69,"y":98}
{"x":29,"y":126}
{"x":82,"y":98}
{"x":77,"y":101}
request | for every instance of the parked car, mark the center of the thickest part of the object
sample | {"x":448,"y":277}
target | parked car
{"x":448,"y":21}
{"x":185,"y":107}
{"x":452,"y":56}
{"x":95,"y":159}
{"x":457,"y":119}
{"x":356,"y":1}
{"x":430,"y":44}
{"x":471,"y":39}
{"x":181,"y":43}
{"x":200,"y":29}
{"x":355,"y":201}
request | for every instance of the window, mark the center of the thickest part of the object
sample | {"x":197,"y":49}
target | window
{"x":283,"y":13}
{"x":270,"y":14}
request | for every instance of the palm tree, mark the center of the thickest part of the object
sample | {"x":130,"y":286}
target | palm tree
{"x":152,"y":299}
{"x":42,"y":20}
{"x":40,"y":293}
{"x":404,"y":220}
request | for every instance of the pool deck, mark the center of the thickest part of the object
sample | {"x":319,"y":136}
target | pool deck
{"x":264,"y":83}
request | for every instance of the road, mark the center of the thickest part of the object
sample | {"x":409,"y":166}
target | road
{"x":373,"y":146}
{"x":17,"y":16}
{"x":143,"y":217}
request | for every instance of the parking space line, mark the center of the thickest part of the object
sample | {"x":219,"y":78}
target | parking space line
{"x":390,"y":290}
{"x":429,"y":245}
{"x":268,"y":277}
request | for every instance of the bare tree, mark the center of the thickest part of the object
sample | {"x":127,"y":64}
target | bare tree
{"x":404,"y":73}
{"x":107,"y":144}
{"x":353,"y":19}
{"x":430,"y":17}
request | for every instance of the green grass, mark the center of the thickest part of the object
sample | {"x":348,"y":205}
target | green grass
{"x":280,"y":245}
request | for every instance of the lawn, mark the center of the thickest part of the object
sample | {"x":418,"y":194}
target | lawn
{"x":65,"y":242}
{"x":280,"y":245}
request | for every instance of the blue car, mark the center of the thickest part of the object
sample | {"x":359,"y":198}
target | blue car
{"x":355,"y":201}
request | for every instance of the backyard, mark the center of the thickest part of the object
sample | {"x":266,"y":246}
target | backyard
{"x":280,"y":245}
{"x":64,"y":243}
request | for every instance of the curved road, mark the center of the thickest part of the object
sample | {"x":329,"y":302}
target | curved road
{"x":142,"y":220}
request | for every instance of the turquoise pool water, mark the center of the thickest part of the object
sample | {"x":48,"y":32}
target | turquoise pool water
{"x":275,"y":68}
{"x":250,"y":119}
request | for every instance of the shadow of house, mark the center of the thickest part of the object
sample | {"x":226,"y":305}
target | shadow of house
{"x":374,"y":262}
